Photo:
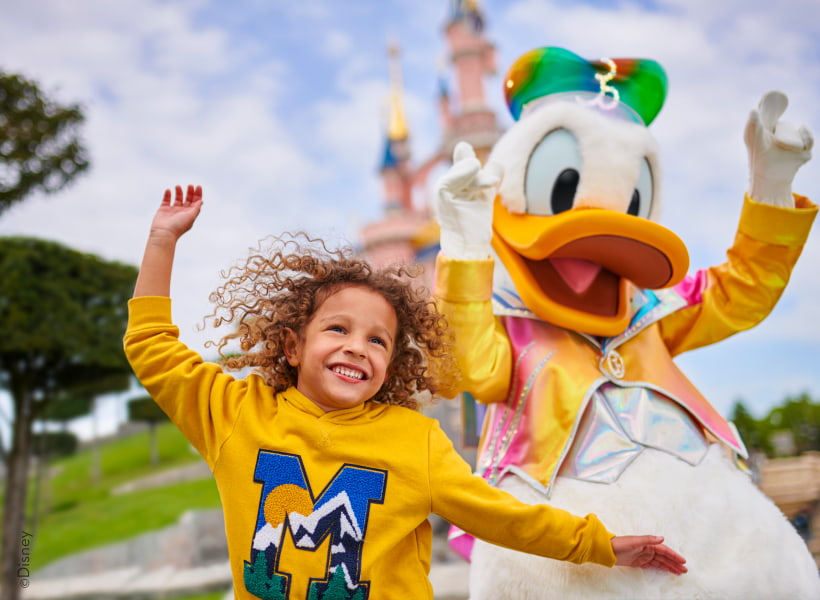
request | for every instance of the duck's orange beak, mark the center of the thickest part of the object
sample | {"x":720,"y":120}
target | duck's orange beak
{"x":574,"y":269}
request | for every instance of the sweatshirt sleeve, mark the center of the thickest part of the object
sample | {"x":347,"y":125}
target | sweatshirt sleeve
{"x":198,"y":397}
{"x":495,"y":516}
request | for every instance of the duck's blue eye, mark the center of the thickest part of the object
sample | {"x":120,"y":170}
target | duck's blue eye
{"x":553,"y":174}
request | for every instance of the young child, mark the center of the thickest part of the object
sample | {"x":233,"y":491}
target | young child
{"x":325,"y":471}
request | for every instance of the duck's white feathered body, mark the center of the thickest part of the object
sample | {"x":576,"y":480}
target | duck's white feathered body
{"x":737,"y":543}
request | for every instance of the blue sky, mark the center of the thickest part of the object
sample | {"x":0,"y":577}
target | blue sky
{"x":278,"y":110}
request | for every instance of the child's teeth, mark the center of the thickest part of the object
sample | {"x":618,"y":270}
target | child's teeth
{"x":349,"y":372}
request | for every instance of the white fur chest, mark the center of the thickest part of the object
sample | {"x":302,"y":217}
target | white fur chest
{"x":737,"y":543}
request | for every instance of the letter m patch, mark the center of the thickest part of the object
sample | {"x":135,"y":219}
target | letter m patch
{"x":339,"y":513}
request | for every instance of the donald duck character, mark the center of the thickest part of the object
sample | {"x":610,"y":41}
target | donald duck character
{"x":569,"y":302}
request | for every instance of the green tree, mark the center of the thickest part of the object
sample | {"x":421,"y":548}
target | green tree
{"x":260,"y":584}
{"x":801,"y":417}
{"x":79,"y":399}
{"x":69,"y":404}
{"x":144,"y":409}
{"x":63,"y":314}
{"x":40,"y":149}
{"x":752,"y":431}
{"x":335,"y":588}
{"x":67,"y":407}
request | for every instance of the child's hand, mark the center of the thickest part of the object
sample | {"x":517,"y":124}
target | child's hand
{"x":177,"y":217}
{"x":647,"y":551}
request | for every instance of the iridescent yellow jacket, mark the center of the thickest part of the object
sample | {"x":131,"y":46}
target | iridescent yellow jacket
{"x":538,"y":378}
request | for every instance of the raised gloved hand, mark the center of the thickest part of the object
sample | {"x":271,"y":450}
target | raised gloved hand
{"x":777,"y":149}
{"x":465,"y":205}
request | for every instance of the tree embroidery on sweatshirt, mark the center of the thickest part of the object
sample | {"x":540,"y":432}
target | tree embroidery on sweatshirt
{"x":340,"y":513}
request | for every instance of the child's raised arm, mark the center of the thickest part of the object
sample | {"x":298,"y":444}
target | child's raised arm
{"x":171,"y":221}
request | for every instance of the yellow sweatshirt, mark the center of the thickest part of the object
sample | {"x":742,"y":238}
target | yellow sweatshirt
{"x":333,"y":505}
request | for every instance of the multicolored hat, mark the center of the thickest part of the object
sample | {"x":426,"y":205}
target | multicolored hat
{"x":640,"y":84}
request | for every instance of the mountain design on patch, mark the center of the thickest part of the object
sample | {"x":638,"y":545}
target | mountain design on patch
{"x":335,"y":516}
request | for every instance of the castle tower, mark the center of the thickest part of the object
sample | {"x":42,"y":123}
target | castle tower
{"x":408,"y":233}
{"x":472,"y":57}
{"x":394,"y":239}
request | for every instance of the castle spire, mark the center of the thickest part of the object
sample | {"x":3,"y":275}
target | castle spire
{"x":396,"y":124}
{"x":467,"y":10}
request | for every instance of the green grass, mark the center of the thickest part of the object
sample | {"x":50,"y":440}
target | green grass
{"x":120,"y":461}
{"x":104,"y":520}
{"x":84,"y":514}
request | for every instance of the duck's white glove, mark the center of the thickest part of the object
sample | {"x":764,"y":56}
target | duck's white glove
{"x":465,"y":196}
{"x":777,"y":149}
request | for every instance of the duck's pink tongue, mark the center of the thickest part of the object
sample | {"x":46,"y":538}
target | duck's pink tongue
{"x":578,"y":273}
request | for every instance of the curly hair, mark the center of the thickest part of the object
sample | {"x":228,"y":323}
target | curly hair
{"x":281,"y":286}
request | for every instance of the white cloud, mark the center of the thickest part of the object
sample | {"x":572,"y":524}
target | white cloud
{"x":337,"y":43}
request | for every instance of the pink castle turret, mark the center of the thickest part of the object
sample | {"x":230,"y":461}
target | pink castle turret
{"x":407,"y":233}
{"x":472,"y":57}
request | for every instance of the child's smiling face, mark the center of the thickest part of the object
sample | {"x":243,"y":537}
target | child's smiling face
{"x":344,"y":352}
